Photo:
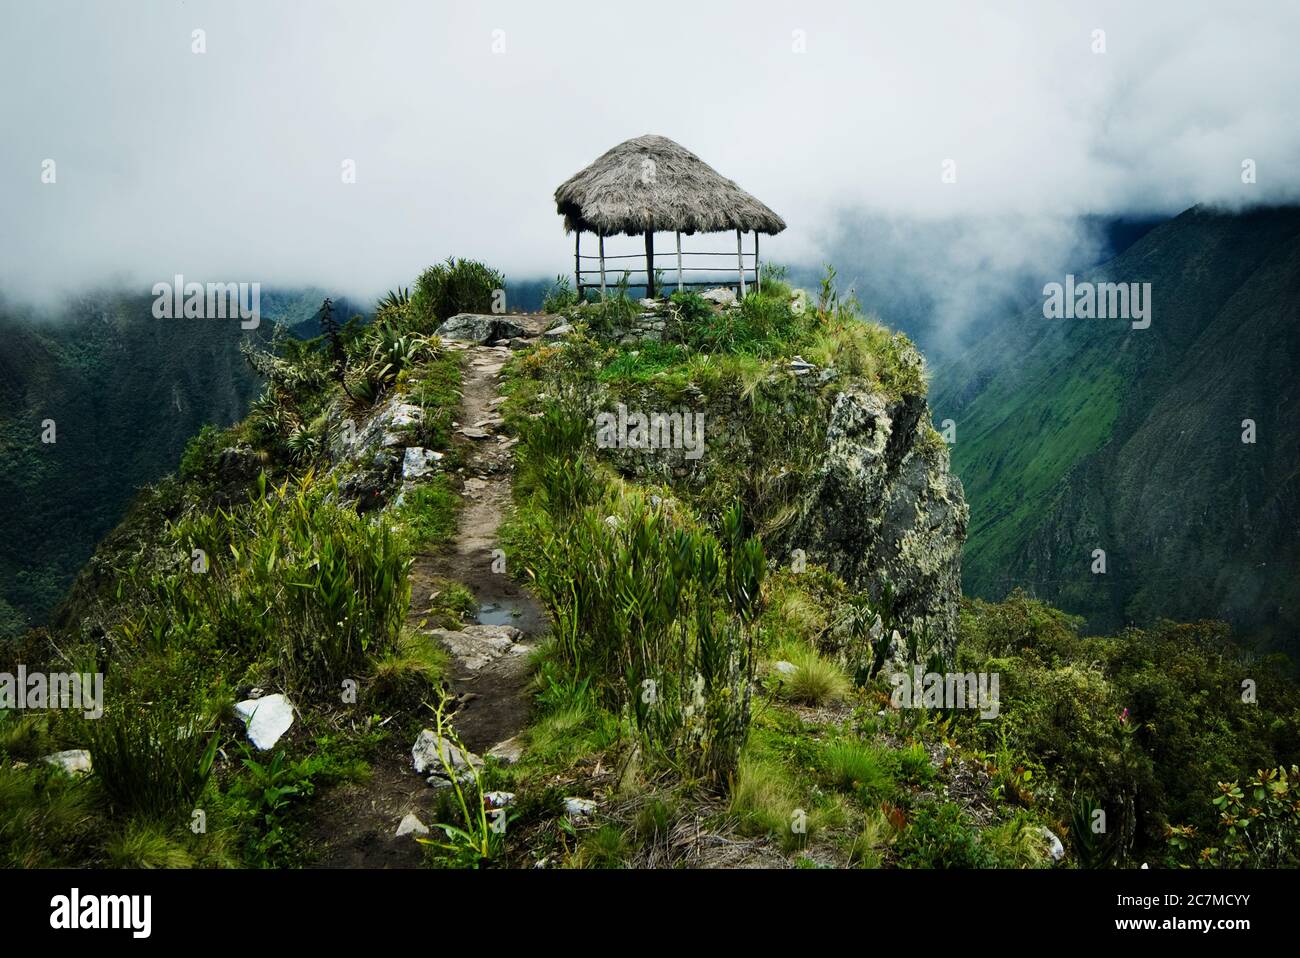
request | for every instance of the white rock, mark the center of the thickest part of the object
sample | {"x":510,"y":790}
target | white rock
{"x":419,"y":462}
{"x":424,"y":753}
{"x":74,"y":761}
{"x":476,"y":645}
{"x":1054,"y":847}
{"x":267,"y":719}
{"x":785,"y":668}
{"x":411,"y":825}
{"x":579,"y":807}
{"x":799,"y":302}
{"x":498,"y":799}
{"x":507,"y":752}
{"x":564,"y":329}
{"x":722,"y":295}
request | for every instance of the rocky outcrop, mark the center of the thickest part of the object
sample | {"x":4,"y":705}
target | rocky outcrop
{"x":885,"y":514}
{"x":862,"y":476}
{"x":478,"y":328}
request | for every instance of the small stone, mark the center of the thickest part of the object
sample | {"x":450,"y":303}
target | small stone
{"x":411,"y":825}
{"x":425,"y":755}
{"x":267,"y":718}
{"x":785,"y":668}
{"x":498,"y":799}
{"x":1054,"y":847}
{"x":507,"y":752}
{"x":74,"y":761}
{"x":473,"y":432}
{"x":579,"y":807}
{"x":721,"y":295}
{"x":564,"y":329}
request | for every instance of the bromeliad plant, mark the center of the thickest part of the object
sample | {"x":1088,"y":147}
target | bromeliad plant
{"x":1259,"y":823}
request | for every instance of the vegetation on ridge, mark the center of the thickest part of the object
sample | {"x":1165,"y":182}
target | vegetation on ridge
{"x":693,"y":684}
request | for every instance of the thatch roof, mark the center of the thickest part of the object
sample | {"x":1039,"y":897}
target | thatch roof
{"x":623,"y":193}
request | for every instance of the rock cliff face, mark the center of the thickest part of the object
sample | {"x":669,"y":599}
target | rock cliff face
{"x":885,"y":515}
{"x":855,"y":478}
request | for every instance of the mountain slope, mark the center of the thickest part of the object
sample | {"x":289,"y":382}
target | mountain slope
{"x":1075,"y":435}
{"x":125,"y":391}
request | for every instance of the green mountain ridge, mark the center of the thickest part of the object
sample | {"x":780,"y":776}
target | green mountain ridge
{"x":1082,"y":434}
{"x":126,"y":391}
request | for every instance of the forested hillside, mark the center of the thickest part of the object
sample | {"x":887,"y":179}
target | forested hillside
{"x":1075,"y":435}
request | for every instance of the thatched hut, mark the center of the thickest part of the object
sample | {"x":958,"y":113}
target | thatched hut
{"x":651,"y":184}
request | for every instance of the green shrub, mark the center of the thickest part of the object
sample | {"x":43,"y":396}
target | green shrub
{"x":456,"y":286}
{"x":429,"y":513}
{"x":941,"y":836}
{"x":815,"y":680}
{"x":659,"y":616}
{"x":199,"y":460}
{"x":151,"y":762}
{"x":560,"y":296}
{"x":1258,"y":827}
{"x":44,"y":816}
{"x":858,"y":767}
{"x":294,"y":575}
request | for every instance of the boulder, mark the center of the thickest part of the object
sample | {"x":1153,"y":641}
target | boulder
{"x":558,"y":332}
{"x":267,"y":718}
{"x":236,"y":463}
{"x":480,"y":328}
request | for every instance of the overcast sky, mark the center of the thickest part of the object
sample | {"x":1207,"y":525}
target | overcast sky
{"x":226,"y":165}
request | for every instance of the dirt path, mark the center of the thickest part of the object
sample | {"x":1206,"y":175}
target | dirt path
{"x":488,"y":674}
{"x":494,"y":706}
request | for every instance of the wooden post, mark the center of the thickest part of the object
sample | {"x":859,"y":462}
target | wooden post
{"x":679,"y":261}
{"x":577,"y":262}
{"x":758,"y":276}
{"x":740,"y":262}
{"x":650,"y":262}
{"x":602,"y":267}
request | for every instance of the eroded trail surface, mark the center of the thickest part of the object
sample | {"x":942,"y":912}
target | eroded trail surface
{"x":488,"y":673}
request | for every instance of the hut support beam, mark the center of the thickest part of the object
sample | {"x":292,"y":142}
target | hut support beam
{"x":740,"y":262}
{"x":758,"y":276}
{"x":602,"y":267}
{"x":679,"y":261}
{"x":650,"y":263}
{"x":577,"y":263}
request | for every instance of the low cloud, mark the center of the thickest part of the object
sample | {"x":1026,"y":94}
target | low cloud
{"x":462,"y":119}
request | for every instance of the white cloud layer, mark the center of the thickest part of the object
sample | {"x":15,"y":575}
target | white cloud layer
{"x":226,"y":165}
